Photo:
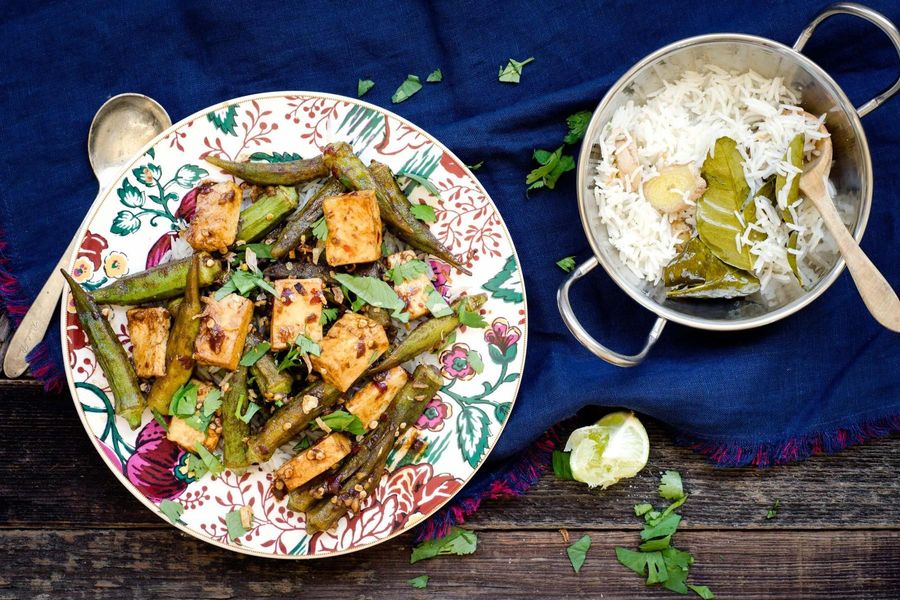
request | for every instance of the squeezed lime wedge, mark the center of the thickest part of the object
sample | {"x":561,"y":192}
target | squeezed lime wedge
{"x":614,"y":448}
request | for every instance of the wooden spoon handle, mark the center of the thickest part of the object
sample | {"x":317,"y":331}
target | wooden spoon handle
{"x":876,"y":292}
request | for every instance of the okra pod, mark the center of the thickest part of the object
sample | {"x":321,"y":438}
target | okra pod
{"x":180,"y":350}
{"x":284,"y":173}
{"x":158,"y":283}
{"x":375,"y":449}
{"x":427,"y":335}
{"x":234,"y":430}
{"x":302,"y":219}
{"x":266,"y":213}
{"x":268,"y":378}
{"x":112,"y":357}
{"x":395,"y":208}
{"x":289,"y":420}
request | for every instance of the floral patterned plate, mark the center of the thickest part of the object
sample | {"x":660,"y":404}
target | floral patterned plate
{"x":133,"y":228}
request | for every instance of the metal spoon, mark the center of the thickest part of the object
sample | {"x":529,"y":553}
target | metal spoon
{"x":876,"y":292}
{"x":122,"y":126}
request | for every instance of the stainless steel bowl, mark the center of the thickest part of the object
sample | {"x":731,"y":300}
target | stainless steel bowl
{"x":851,"y":173}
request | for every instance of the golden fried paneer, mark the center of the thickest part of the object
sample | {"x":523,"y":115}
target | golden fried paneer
{"x":216,"y":216}
{"x":314,"y":461}
{"x":223,"y":330}
{"x":149,"y":332}
{"x":297,"y":309}
{"x":414,"y":291}
{"x":351,"y":345}
{"x":354,"y":228}
{"x":188,"y":437}
{"x":373,"y":398}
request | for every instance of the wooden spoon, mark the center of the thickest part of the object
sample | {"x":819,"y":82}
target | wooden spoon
{"x":876,"y":292}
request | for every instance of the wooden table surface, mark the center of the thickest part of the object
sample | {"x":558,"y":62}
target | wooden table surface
{"x":70,"y":530}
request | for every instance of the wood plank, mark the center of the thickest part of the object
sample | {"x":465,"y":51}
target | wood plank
{"x":526,"y":564}
{"x":856,"y":488}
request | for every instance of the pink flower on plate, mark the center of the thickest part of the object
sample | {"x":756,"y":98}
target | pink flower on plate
{"x":153,"y":466}
{"x":434,"y":415}
{"x":456,"y":363}
{"x":441,"y":277}
{"x":502,"y":339}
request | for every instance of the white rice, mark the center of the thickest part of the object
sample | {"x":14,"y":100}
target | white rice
{"x":679,"y":124}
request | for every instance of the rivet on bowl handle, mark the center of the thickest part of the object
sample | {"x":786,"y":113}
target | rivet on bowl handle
{"x":581,"y":334}
{"x":870,"y":15}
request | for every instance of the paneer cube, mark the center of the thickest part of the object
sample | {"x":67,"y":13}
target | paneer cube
{"x":297,"y":309}
{"x":149,"y":332}
{"x":351,"y":345}
{"x":326,"y":453}
{"x":223,"y":329}
{"x":354,"y":228}
{"x":373,"y":398}
{"x":414,"y":292}
{"x":216,"y":216}
{"x":188,"y":437}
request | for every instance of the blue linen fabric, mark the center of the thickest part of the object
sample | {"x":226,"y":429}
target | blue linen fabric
{"x":827,"y":368}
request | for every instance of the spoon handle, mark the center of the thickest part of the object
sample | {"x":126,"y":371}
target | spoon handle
{"x":876,"y":292}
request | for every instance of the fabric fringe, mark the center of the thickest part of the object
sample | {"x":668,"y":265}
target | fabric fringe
{"x":511,"y":479}
{"x":16,"y":305}
{"x":793,"y":449}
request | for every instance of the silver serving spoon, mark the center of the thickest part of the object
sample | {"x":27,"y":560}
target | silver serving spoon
{"x":123,"y":125}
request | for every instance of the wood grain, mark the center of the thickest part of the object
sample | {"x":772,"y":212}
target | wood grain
{"x":508,"y":564}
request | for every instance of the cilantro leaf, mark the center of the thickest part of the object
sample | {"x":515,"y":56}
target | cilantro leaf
{"x":577,"y":126}
{"x":328,"y":315}
{"x":561,"y":467}
{"x":567,"y":264}
{"x":650,"y":564}
{"x":470,"y":318}
{"x":209,"y":459}
{"x":407,"y":271}
{"x":307,"y":346}
{"x":419,"y":582}
{"x":641,"y":509}
{"x":372,"y":291}
{"x":252,"y":409}
{"x":654,"y":519}
{"x":320,"y":229}
{"x":235,"y":525}
{"x":244,"y":282}
{"x":578,"y":552}
{"x":410,"y":86}
{"x":702,"y":591}
{"x":254,"y":354}
{"x":363,"y":86}
{"x":476,"y":166}
{"x":423,"y":212}
{"x":512,"y":72}
{"x":173,"y":510}
{"x":260,"y":250}
{"x":435,"y":76}
{"x":553,"y":165}
{"x":773,"y":512}
{"x":423,"y":181}
{"x":341,"y":420}
{"x":458,"y":541}
{"x":184,"y":401}
{"x":160,"y":419}
{"x":474,"y":360}
{"x":195,"y":467}
{"x":436,"y":304}
{"x":666,"y":526}
{"x":670,"y":486}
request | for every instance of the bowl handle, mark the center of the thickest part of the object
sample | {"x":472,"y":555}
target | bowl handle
{"x":581,"y":334}
{"x":872,"y":16}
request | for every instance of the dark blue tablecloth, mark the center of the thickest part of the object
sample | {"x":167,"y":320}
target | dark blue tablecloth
{"x":818,"y":380}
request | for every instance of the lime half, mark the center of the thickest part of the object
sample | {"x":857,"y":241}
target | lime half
{"x":615,"y":448}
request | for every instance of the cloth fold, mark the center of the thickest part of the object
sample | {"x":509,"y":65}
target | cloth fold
{"x":817,"y":381}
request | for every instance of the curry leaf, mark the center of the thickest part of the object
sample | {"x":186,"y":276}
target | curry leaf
{"x":340,"y":420}
{"x":372,"y":291}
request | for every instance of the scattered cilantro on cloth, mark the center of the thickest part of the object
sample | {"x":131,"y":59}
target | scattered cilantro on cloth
{"x":553,"y":165}
{"x":410,"y":86}
{"x":435,"y":76}
{"x":577,"y":126}
{"x":512,"y":72}
{"x":364,"y":86}
{"x":567,"y":264}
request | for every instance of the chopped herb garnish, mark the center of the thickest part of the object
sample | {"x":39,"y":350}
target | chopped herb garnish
{"x":244,"y":282}
{"x":328,"y":315}
{"x":184,"y":402}
{"x":458,"y":541}
{"x":420,"y":582}
{"x":670,"y":486}
{"x":553,"y":165}
{"x":436,"y":304}
{"x":374,"y":292}
{"x":341,"y":420}
{"x":160,"y":419}
{"x":363,"y":86}
{"x":407,"y":271}
{"x":255,"y":353}
{"x":307,"y":346}
{"x":320,"y":229}
{"x":423,"y":181}
{"x":195,"y":467}
{"x":303,"y":444}
{"x":702,"y":591}
{"x":773,"y":512}
{"x":577,"y":126}
{"x":410,"y":86}
{"x":173,"y":510}
{"x":476,"y":166}
{"x":209,"y":459}
{"x":423,"y":212}
{"x":642,"y":509}
{"x":512,"y":72}
{"x":235,"y":525}
{"x":561,"y":467}
{"x":578,"y":552}
{"x":435,"y":76}
{"x":470,"y":318}
{"x":567,"y":264}
{"x":474,"y":360}
{"x":252,"y":409}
